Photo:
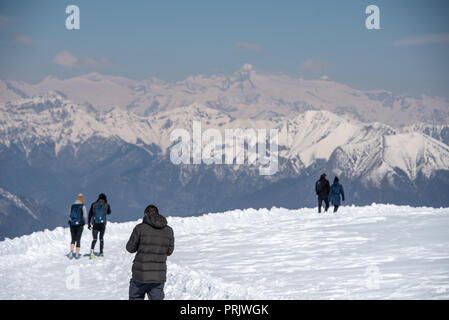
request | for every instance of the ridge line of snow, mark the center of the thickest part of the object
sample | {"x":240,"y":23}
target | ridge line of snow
{"x":17,"y":201}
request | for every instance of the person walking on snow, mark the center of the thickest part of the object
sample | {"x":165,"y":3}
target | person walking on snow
{"x":97,"y":222}
{"x":76,"y":223}
{"x":322,"y":189}
{"x":153,"y":240}
{"x":335,"y":192}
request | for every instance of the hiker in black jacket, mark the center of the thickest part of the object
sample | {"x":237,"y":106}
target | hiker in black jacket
{"x":322,"y":188}
{"x":97,"y":218}
{"x":153,"y":240}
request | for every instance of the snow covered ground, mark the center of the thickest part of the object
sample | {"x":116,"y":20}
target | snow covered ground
{"x":372,"y":252}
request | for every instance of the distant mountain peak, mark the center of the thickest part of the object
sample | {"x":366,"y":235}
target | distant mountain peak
{"x":247,"y":68}
{"x":94,"y":76}
{"x":50,"y":78}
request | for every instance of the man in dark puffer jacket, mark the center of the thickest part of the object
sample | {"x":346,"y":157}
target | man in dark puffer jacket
{"x":153,"y":240}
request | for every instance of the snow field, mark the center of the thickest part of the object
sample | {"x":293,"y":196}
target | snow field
{"x":371,"y":252}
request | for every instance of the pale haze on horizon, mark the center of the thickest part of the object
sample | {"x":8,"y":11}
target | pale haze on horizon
{"x":172,"y":41}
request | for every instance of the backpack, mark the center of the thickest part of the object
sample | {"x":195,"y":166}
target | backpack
{"x":100,"y":212}
{"x":319,"y":186}
{"x":76,"y":214}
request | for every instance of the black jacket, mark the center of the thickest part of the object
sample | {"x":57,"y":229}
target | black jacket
{"x":322,"y":188}
{"x":153,"y":240}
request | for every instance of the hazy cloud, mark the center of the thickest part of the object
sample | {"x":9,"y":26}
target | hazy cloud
{"x":22,"y":40}
{"x":247,"y":47}
{"x":67,"y":59}
{"x":315,"y":66}
{"x":5,"y":20}
{"x":423,"y":39}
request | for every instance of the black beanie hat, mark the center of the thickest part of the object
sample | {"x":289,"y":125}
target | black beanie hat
{"x":102,"y":196}
{"x":151,"y":209}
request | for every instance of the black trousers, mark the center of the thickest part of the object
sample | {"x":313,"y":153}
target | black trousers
{"x":154,"y":291}
{"x":320,"y":201}
{"x":76,"y":232}
{"x":98,"y":229}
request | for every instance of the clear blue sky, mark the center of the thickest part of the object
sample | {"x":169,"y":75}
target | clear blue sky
{"x":174,"y":39}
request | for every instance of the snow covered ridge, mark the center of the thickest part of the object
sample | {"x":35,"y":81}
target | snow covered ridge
{"x":22,"y":215}
{"x":367,"y":150}
{"x":17,"y":201}
{"x":247,"y":94}
{"x":371,"y":252}
{"x":377,"y":158}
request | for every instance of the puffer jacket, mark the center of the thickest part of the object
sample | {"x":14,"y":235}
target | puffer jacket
{"x":153,"y":240}
{"x":322,"y":187}
{"x":335,"y":192}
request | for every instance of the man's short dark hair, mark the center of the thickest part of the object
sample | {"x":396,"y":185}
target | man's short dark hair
{"x":151,"y":209}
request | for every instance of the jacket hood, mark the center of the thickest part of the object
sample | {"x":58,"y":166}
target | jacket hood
{"x":155,"y":220}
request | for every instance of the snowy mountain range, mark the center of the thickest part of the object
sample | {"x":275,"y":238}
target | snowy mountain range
{"x":80,"y":137}
{"x":304,"y":139}
{"x":246,"y":94}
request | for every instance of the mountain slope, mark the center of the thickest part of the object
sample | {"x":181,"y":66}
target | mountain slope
{"x":372,"y":160}
{"x":372,"y":252}
{"x":21,"y":215}
{"x":438,"y":132}
{"x":314,"y":135}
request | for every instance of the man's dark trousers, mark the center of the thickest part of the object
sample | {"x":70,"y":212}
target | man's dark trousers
{"x":137,"y":290}
{"x":320,"y":201}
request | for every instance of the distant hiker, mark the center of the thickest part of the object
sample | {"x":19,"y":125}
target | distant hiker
{"x":76,"y":223}
{"x":153,"y":240}
{"x":322,"y":189}
{"x":97,"y":221}
{"x":335,"y":192}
